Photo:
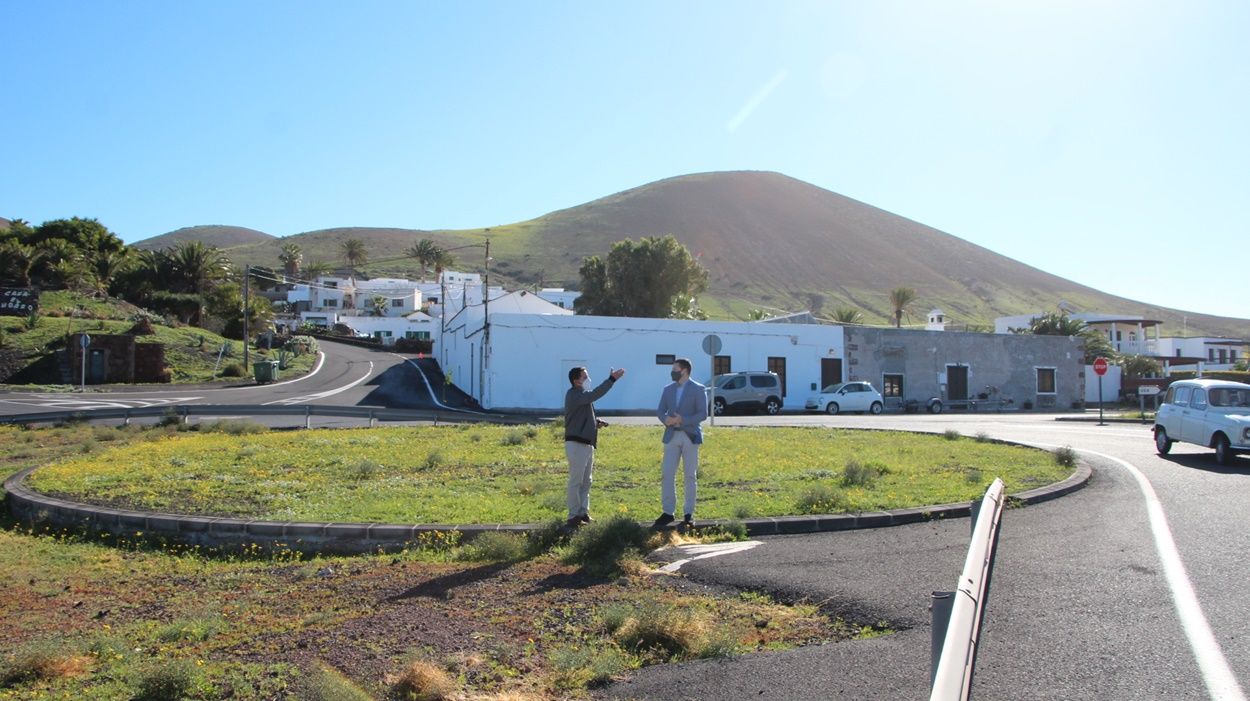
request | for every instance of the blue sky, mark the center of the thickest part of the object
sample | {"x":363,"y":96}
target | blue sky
{"x":1100,"y":141}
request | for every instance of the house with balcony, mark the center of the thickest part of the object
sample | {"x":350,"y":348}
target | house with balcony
{"x":1202,"y":352}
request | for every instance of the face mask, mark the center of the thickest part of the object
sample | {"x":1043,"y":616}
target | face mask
{"x":586,"y":382}
{"x":676,"y":375}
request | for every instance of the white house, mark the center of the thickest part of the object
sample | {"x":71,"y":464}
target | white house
{"x":559,"y":296}
{"x":1202,"y":352}
{"x":1127,"y":333}
{"x":528,"y":355}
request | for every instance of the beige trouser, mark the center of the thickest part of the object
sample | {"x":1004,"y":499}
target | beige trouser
{"x":581,"y":465}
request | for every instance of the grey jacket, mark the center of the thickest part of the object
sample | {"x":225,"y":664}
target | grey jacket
{"x":579,"y":412}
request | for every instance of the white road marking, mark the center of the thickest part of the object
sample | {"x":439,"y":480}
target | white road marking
{"x":1216,"y":673}
{"x":305,"y":399}
{"x":702,"y":552}
{"x":70,"y":403}
{"x":430,"y":387}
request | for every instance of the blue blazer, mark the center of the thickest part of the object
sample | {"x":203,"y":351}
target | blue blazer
{"x":692,"y":410}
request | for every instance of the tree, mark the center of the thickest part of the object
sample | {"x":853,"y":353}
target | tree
{"x":846,"y":315}
{"x":643,"y":279}
{"x":427,"y":253}
{"x":1139,"y":366}
{"x":195,"y":268}
{"x":900,"y":299}
{"x":225,"y":302}
{"x":291,"y":257}
{"x":17,"y":260}
{"x":1060,"y":324}
{"x":378,"y":305}
{"x":757,"y":315}
{"x":108,"y":265}
{"x":317,"y":268}
{"x":354,"y":253}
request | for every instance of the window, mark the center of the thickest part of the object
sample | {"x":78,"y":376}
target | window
{"x":721,"y":365}
{"x":892,"y":386}
{"x":1045,"y":380}
{"x":736,"y":383}
{"x":1200,"y":399}
{"x":1223,"y":355}
{"x":417,"y":335}
{"x":1119,"y":335}
{"x":665,"y":359}
{"x":329,"y":303}
{"x":764,"y":381}
{"x":1211,"y":354}
{"x":397,"y":302}
{"x":1182,"y":395}
{"x":1178,"y":352}
{"x":778,"y":365}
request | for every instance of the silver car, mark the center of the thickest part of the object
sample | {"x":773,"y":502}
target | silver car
{"x":847,"y":396}
{"x":748,"y":390}
{"x":1210,"y":413}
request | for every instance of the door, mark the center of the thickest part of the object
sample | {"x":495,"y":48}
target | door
{"x":97,"y":373}
{"x":778,"y":365}
{"x":956,"y":382}
{"x":830,"y":372}
{"x":1194,"y":419}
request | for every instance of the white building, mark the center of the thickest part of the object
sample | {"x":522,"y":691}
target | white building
{"x":1202,"y":352}
{"x":1128,"y":334}
{"x":527,"y":358}
{"x":559,"y":296}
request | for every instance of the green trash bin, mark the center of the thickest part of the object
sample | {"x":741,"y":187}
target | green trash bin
{"x":265,"y":371}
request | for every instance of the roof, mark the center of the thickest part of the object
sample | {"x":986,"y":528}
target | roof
{"x":1204,"y":382}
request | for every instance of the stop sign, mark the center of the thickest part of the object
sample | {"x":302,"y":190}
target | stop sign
{"x":1100,"y":366}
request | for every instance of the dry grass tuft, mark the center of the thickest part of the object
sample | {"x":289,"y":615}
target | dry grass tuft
{"x":423,"y":681}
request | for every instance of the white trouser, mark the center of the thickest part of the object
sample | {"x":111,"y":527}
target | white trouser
{"x":679,"y":447}
{"x":581,"y":465}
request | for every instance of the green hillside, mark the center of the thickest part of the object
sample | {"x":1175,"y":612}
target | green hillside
{"x":768,"y":241}
{"x":219,"y":236}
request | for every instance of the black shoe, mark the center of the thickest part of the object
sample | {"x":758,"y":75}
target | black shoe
{"x":688,"y":521}
{"x":585,"y":518}
{"x":573,"y":523}
{"x":663,"y":521}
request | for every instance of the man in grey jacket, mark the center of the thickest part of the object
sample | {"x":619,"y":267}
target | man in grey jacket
{"x":683,"y":406}
{"x":581,"y":435}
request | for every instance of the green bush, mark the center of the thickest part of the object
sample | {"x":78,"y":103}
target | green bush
{"x":820,"y":499}
{"x":951,"y":434}
{"x":652,"y":627}
{"x":168,"y":680}
{"x":234,"y":369}
{"x":588,"y":665}
{"x":600,"y":547}
{"x":1066,"y":456}
{"x":329,"y":684}
{"x":857,"y":474}
{"x":494,"y":546}
{"x":233,"y":427}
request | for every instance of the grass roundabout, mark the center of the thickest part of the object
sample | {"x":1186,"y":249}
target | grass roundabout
{"x":500,"y":474}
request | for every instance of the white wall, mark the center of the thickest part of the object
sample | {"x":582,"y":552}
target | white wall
{"x":531,"y":355}
{"x":1110,"y":385}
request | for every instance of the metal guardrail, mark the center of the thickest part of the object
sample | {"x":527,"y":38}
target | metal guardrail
{"x":957,"y":615}
{"x":308,"y":411}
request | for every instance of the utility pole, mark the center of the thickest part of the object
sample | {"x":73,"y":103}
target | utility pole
{"x":247,"y":280}
{"x":485,"y":320}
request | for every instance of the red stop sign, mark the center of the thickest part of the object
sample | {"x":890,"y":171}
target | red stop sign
{"x":1100,"y":366}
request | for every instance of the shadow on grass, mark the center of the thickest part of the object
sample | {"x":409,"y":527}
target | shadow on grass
{"x":442,"y":587}
{"x":567,"y":581}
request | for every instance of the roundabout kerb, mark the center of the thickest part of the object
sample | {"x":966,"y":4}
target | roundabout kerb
{"x":32,"y":508}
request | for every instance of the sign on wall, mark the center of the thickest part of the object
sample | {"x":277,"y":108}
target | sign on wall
{"x":18,"y":301}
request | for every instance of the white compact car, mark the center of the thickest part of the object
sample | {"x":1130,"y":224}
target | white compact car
{"x":1210,"y":413}
{"x":848,"y":396}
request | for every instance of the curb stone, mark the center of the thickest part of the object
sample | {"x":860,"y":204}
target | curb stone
{"x":356,"y":538}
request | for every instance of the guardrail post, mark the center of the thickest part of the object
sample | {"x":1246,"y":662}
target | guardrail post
{"x":940,"y":605}
{"x":127,"y":418}
{"x":371,"y":418}
{"x":307,"y":416}
{"x":186,"y":414}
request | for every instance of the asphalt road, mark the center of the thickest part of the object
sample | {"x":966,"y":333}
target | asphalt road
{"x":1085,"y":604}
{"x":1080,"y":606}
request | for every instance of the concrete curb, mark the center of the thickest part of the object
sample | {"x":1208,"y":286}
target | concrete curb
{"x":355,"y":538}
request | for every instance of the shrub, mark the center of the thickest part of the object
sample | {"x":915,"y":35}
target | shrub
{"x":820,"y":499}
{"x":189,"y":629}
{"x":1065,"y":456}
{"x":951,"y":434}
{"x":513,"y":438}
{"x":600,"y":547}
{"x":365,"y":469}
{"x":650,"y":626}
{"x":233,"y":427}
{"x":494,"y":546}
{"x":301,"y":344}
{"x":43,"y":661}
{"x":546,"y":537}
{"x":857,"y":474}
{"x":588,"y":665}
{"x":422,"y":681}
{"x":329,"y":684}
{"x":743,"y":511}
{"x":168,"y":680}
{"x":983,"y":437}
{"x":234,"y":369}
{"x":433,"y":459}
{"x":973,"y":476}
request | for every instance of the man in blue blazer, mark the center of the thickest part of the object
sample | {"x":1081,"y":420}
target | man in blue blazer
{"x":683,"y":406}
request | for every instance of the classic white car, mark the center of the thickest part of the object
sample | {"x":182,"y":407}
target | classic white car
{"x":1210,"y":413}
{"x":848,"y":396}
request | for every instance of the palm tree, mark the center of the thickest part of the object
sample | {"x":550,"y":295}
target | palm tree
{"x":426,"y":252}
{"x":900,"y":299}
{"x":291,"y":257}
{"x":442,"y":261}
{"x":846,"y":315}
{"x":378,"y":305}
{"x":317,"y":269}
{"x":354,"y":254}
{"x":108,"y":264}
{"x":17,"y":260}
{"x":196,"y":268}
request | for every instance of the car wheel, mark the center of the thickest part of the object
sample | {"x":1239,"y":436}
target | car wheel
{"x":1162,"y":443}
{"x":935,"y":407}
{"x":1223,"y":453}
{"x":876,"y":408}
{"x":832,"y":408}
{"x":718,"y":407}
{"x":772,"y":406}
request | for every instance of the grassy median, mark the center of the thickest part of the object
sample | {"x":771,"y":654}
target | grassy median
{"x":490,"y":474}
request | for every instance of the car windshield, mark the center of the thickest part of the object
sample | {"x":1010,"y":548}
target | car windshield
{"x":1230,"y":397}
{"x":833,"y":388}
